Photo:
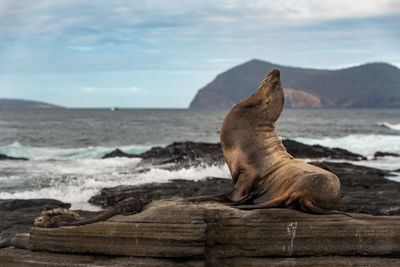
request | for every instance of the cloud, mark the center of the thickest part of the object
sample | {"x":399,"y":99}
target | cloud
{"x":89,"y":89}
{"x":83,"y":22}
{"x":81,"y":48}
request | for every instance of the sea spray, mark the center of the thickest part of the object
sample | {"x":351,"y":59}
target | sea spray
{"x":75,"y":181}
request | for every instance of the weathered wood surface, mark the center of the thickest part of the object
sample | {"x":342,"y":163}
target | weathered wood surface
{"x":215,"y":234}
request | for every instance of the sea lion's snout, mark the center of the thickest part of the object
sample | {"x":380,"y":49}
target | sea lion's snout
{"x":275,"y":74}
{"x":272,"y":81}
{"x":274,"y":78}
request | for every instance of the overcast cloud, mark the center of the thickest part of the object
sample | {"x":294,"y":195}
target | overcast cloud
{"x":51,"y":50}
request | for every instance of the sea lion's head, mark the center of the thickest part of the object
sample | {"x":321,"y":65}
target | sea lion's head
{"x":272,"y":95}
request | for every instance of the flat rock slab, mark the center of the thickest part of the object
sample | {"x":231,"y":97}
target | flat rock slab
{"x":19,"y":257}
{"x":217,"y":234}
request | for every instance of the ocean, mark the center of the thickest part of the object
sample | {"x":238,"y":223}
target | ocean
{"x":65,"y":146}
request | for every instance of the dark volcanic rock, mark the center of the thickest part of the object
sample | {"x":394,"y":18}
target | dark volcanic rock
{"x":5,"y":157}
{"x":118,"y":153}
{"x":155,"y":191}
{"x":299,"y":150}
{"x":192,"y":153}
{"x":384,"y":154}
{"x":17,"y":215}
{"x":364,"y":189}
{"x":179,"y":154}
{"x":31,"y":204}
{"x":187,"y":154}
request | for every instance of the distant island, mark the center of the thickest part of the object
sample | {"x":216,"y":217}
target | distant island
{"x":24,"y":104}
{"x":372,"y":85}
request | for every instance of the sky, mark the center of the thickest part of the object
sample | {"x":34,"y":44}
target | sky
{"x":157,"y":54}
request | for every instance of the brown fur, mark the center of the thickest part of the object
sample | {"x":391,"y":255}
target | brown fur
{"x":263,"y":173}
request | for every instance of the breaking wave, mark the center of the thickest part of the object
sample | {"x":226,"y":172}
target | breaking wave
{"x":43,"y":153}
{"x":75,"y":180}
{"x":391,"y":126}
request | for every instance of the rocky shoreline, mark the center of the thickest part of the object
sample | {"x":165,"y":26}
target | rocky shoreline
{"x":364,"y":189}
{"x":5,"y":157}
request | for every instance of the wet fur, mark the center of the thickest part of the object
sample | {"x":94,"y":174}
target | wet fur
{"x":263,"y":173}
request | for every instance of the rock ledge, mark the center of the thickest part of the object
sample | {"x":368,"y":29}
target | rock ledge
{"x":173,"y":232}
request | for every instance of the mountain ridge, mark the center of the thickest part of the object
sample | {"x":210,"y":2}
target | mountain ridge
{"x":12,"y":103}
{"x":369,"y":85}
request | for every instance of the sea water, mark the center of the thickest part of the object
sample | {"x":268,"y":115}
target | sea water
{"x":65,"y":146}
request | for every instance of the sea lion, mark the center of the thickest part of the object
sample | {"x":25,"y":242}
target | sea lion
{"x":63,"y":217}
{"x":263,"y":173}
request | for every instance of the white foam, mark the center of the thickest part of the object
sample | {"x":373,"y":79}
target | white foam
{"x":75,"y":181}
{"x":391,"y":126}
{"x":42,"y":153}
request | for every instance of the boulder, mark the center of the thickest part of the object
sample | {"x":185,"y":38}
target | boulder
{"x":299,"y":150}
{"x":117,"y":153}
{"x":380,"y":154}
{"x":186,"y":154}
{"x":213,"y":234}
{"x":181,"y":154}
{"x":5,"y":157}
{"x":155,"y":191}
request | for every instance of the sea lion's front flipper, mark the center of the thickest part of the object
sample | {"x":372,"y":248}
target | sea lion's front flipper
{"x":273,"y":203}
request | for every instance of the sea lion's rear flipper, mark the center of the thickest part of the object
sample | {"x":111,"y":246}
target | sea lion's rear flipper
{"x":307,"y":206}
{"x":304,"y":204}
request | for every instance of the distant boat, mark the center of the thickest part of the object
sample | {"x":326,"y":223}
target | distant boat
{"x":114,"y":109}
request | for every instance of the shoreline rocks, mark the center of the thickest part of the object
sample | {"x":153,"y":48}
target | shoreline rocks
{"x":5,"y":157}
{"x":17,"y":215}
{"x":211,"y":153}
{"x":109,"y":196}
{"x":379,"y":154}
{"x":364,"y":189}
{"x":212,"y":234}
